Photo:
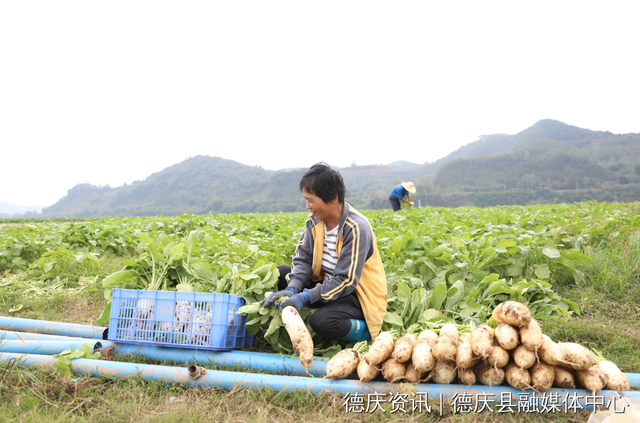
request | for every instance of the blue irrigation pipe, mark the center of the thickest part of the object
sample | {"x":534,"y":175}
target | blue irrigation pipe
{"x":8,"y":335}
{"x":45,"y":347}
{"x":274,"y":363}
{"x":634,"y":379}
{"x":560,"y":399}
{"x":53,"y":328}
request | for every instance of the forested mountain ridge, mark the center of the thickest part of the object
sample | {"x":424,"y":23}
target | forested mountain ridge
{"x":537,"y":163}
{"x":549,"y":154}
{"x":204,"y":184}
{"x":545,"y":129}
{"x":548,"y":162}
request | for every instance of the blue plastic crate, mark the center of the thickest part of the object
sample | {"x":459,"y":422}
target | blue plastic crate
{"x":196,"y":320}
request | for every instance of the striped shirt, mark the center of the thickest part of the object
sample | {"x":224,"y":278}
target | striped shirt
{"x":329,"y":254}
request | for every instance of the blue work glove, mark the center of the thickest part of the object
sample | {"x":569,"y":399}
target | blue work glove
{"x":297,"y":301}
{"x":289,"y":292}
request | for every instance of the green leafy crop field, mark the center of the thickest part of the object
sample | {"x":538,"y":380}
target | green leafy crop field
{"x":575,"y":265}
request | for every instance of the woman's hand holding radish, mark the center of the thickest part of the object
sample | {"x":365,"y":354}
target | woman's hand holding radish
{"x":297,"y":301}
{"x":290,"y":291}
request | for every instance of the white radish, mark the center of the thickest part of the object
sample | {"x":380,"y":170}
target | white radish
{"x":507,"y":336}
{"x":517,"y":377}
{"x":422,"y":357}
{"x":576,"y":356}
{"x":482,"y":340}
{"x":616,"y":380}
{"x":343,"y":364}
{"x":488,"y":375}
{"x":444,"y":372}
{"x":531,"y":335}
{"x":465,"y":358}
{"x":512,"y":312}
{"x":446,"y":346}
{"x":412,"y":375}
{"x":393,"y":371}
{"x":593,"y":379}
{"x":403,"y":348}
{"x":380,"y":349}
{"x":300,"y":336}
{"x":182,"y":316}
{"x":201,"y":328}
{"x":550,"y":352}
{"x":427,"y":336}
{"x":144,"y":316}
{"x":499,"y":357}
{"x":467,"y":376}
{"x":366,"y":372}
{"x":542,"y":376}
{"x":523,"y":357}
{"x":564,"y":378}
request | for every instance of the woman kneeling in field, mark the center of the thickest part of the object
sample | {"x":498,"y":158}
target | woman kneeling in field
{"x":336,"y":268}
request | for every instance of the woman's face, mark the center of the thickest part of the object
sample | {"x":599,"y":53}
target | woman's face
{"x":318,"y":208}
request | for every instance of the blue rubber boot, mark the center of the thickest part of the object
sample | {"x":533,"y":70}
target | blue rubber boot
{"x":359,"y":331}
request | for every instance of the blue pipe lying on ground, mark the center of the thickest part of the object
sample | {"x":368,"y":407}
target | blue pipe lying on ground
{"x":45,"y":347}
{"x":554,"y":399}
{"x":263,"y":361}
{"x":53,"y":328}
{"x":273,"y":363}
{"x":8,"y":335}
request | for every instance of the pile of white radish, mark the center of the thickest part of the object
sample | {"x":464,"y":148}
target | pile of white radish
{"x":515,"y":353}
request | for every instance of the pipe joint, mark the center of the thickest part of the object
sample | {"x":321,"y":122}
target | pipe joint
{"x":194,"y":372}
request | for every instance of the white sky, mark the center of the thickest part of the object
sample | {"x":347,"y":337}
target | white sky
{"x":111,"y":92}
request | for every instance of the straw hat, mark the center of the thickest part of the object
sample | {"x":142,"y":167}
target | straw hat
{"x":409,"y":187}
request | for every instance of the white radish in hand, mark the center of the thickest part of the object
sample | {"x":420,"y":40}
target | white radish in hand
{"x":300,"y":336}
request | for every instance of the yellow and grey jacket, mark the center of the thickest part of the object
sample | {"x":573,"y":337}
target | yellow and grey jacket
{"x":359,"y":266}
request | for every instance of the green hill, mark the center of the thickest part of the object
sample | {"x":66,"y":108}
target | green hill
{"x":205,"y":184}
{"x":538,"y":163}
{"x":547,"y":162}
{"x":602,"y":147}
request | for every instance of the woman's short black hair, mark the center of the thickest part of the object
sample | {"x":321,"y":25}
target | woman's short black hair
{"x":323,"y":181}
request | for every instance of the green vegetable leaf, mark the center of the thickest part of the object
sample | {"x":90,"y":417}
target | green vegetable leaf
{"x":393,"y":319}
{"x":542,"y":271}
{"x":438,"y":296}
{"x":62,"y":361}
{"x":120,"y":277}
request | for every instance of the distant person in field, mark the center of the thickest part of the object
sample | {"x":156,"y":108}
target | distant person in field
{"x":336,"y":268}
{"x":398,"y":193}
